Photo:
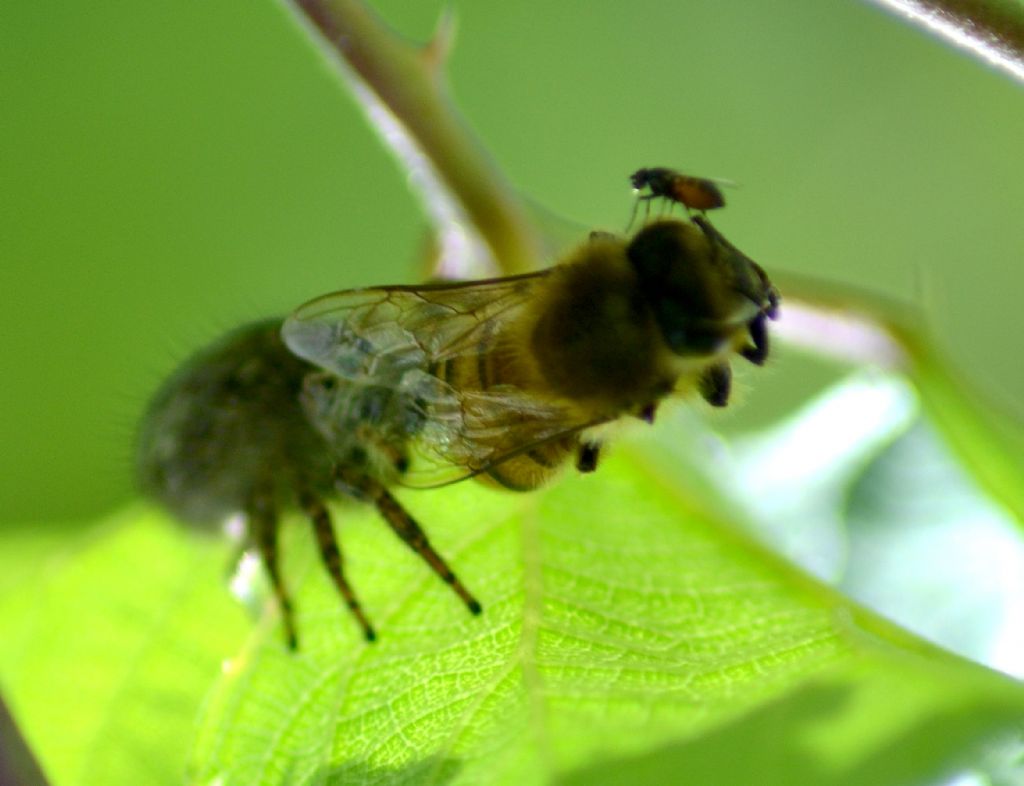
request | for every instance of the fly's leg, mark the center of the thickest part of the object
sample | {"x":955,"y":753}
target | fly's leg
{"x":263,"y":523}
{"x":331,"y":556}
{"x":406,"y":527}
{"x":632,"y":217}
{"x":646,"y":199}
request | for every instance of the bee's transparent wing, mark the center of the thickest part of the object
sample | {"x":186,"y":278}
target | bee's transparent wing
{"x":484,"y":447}
{"x":362,"y":334}
{"x":399,"y":338}
{"x":490,"y":427}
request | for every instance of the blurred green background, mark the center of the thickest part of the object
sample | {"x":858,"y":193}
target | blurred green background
{"x":172,"y":169}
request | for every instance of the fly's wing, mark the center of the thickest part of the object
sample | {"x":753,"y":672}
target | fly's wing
{"x":406,"y":340}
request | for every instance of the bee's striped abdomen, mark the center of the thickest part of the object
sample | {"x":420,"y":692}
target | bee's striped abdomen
{"x":492,"y":367}
{"x":531,"y":469}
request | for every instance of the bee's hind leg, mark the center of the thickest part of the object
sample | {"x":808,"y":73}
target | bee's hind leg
{"x":408,"y":529}
{"x":330,"y":553}
{"x":262,"y":519}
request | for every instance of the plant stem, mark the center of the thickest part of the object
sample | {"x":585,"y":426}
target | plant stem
{"x":990,"y":30}
{"x":403,"y":89}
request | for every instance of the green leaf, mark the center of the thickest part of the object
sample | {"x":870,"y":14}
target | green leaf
{"x":621,"y":629}
{"x":626,"y":630}
{"x":916,"y":505}
{"x":108,"y":650}
{"x":859,"y":489}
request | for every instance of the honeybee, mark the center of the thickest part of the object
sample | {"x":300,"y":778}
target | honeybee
{"x":506,"y":380}
{"x":226,"y":433}
{"x":693,"y":193}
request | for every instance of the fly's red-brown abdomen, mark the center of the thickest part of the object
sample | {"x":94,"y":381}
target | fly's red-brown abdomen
{"x":696,"y":193}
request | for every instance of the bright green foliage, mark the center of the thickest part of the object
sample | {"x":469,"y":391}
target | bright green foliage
{"x":633,"y":632}
{"x":108,"y":652}
{"x":625,"y":638}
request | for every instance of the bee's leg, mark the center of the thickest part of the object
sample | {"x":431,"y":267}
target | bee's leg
{"x":406,"y":527}
{"x":263,"y":524}
{"x":394,"y":456}
{"x":759,"y":336}
{"x":715,"y":384}
{"x":586,"y":458}
{"x":331,"y":555}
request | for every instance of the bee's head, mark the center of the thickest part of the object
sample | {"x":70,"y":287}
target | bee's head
{"x":702,"y":291}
